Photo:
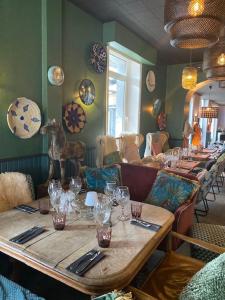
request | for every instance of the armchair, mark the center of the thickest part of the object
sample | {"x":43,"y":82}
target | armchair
{"x":156,"y":143}
{"x":129,"y":147}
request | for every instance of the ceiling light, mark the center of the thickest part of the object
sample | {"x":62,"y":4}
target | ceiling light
{"x":214,"y":60}
{"x":194,"y":24}
{"x":189,"y":78}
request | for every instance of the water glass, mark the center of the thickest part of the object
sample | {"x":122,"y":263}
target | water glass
{"x":44,"y":206}
{"x":110,"y":189}
{"x":55,"y":191}
{"x":75,"y":185}
{"x":122,"y":197}
{"x":136,"y":210}
{"x":104,"y":234}
{"x":59,"y":220}
{"x":102,"y":211}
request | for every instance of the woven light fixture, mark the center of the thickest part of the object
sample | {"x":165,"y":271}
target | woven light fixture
{"x":214,"y":60}
{"x":209,"y":112}
{"x":194,"y":24}
{"x":189,"y":78}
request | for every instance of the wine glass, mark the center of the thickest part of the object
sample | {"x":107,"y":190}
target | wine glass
{"x":75,"y":185}
{"x":122,"y":197}
{"x":102,"y":211}
{"x":55,"y":191}
{"x":109,"y":190}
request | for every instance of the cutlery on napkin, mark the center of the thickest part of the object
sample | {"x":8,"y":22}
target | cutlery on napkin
{"x":85,"y":262}
{"x":26,"y":208}
{"x":28,"y":235}
{"x":145,"y":224}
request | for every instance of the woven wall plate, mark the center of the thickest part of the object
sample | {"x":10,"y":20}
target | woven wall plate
{"x":98,"y":57}
{"x":74,"y":117}
{"x":24,"y":118}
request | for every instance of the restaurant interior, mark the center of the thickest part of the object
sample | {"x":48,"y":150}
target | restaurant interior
{"x":112,"y":123}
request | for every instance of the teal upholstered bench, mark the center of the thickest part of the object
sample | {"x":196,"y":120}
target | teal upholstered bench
{"x":9,"y":290}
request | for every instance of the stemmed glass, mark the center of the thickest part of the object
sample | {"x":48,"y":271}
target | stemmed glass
{"x":110,"y":190}
{"x":122,"y":197}
{"x":75,"y":187}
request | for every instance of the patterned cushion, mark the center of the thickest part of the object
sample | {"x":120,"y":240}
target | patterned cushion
{"x":10,"y":290}
{"x":170,"y":190}
{"x":97,"y":177}
{"x":214,"y":234}
{"x":208,"y":283}
{"x":112,"y":158}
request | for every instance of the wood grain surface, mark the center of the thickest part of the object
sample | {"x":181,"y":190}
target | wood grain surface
{"x":53,"y":251}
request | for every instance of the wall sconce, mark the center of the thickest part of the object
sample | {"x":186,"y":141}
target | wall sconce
{"x":56,"y":75}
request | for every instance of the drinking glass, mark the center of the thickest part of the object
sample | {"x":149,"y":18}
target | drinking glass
{"x":44,"y":206}
{"x":104,"y":236}
{"x":59,"y":220}
{"x":110,"y":189}
{"x":136,"y":210}
{"x":55,"y":191}
{"x":122,"y":197}
{"x":102,"y":211}
{"x":75,"y":185}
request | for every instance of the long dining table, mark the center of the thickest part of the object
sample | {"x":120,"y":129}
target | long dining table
{"x":53,"y":251}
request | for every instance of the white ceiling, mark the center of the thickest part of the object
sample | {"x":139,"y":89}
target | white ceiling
{"x":217,"y":93}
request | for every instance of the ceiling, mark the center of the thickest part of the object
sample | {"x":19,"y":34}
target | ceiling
{"x":217,"y":93}
{"x":143,"y":17}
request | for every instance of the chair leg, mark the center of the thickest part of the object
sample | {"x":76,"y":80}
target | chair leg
{"x":203,"y":212}
{"x":214,"y":195}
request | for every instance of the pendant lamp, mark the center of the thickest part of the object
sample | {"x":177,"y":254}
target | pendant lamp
{"x":189,"y":78}
{"x":194,"y":24}
{"x":214,"y":60}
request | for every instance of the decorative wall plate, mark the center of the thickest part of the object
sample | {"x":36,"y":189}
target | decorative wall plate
{"x":157,"y":106}
{"x":24,"y":118}
{"x":98,"y":57}
{"x":150,"y":81}
{"x":56,"y":75}
{"x":74,"y":117}
{"x":87,"y":91}
{"x":161,"y":120}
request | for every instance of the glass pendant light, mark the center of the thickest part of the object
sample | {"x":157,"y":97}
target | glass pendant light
{"x":196,"y":7}
{"x":189,"y":76}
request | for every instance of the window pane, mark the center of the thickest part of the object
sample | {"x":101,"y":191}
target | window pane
{"x":115,"y":106}
{"x":117,"y":65}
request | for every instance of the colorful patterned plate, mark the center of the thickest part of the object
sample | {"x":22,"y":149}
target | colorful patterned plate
{"x":24,"y":118}
{"x":98,"y":57}
{"x":87,"y":91}
{"x":74,"y":117}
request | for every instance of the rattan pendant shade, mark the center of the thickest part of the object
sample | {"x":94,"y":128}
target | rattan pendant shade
{"x":194,"y":24}
{"x":214,"y":60}
{"x":210,"y":112}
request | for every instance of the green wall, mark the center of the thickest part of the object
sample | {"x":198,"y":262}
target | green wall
{"x":79,"y":31}
{"x":20,"y":68}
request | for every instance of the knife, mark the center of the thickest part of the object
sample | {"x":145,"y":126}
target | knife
{"x":145,"y":224}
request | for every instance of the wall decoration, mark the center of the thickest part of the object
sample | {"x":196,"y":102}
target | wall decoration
{"x":74,"y":117}
{"x":150,"y":81}
{"x":24,"y":118}
{"x":98,"y":57}
{"x":56,"y":75}
{"x":156,"y":107}
{"x":87,"y":91}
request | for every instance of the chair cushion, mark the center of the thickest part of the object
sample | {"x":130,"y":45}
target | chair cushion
{"x":214,"y":234}
{"x":170,"y":190}
{"x":15,"y":188}
{"x":10,"y":290}
{"x":96,"y":177}
{"x":156,"y":148}
{"x":208,"y":283}
{"x":131,"y":153}
{"x":112,"y":158}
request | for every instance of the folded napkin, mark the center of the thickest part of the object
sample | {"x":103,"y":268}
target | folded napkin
{"x":85,"y":262}
{"x":145,"y":224}
{"x":28,"y":235}
{"x":26,"y":208}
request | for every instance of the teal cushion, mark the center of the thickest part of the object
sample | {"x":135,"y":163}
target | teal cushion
{"x":112,"y":158}
{"x":208,"y":283}
{"x":10,"y":291}
{"x":170,"y":191}
{"x":96,"y":177}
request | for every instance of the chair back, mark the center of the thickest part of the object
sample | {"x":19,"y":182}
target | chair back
{"x":15,"y":188}
{"x":129,"y":145}
{"x":105,"y":145}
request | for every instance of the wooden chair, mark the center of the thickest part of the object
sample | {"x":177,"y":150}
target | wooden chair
{"x":174,"y":272}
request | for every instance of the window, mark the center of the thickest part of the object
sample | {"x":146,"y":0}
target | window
{"x":123,"y":99}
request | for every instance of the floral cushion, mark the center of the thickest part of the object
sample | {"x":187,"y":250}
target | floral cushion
{"x":112,"y":158}
{"x":96,"y":177}
{"x":170,"y":191}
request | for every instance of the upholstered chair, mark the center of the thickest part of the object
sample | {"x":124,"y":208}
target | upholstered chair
{"x":107,"y":151}
{"x":15,"y":188}
{"x":129,"y":145}
{"x":156,"y":143}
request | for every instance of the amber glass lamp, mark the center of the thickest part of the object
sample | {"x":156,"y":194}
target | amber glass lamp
{"x":189,"y":78}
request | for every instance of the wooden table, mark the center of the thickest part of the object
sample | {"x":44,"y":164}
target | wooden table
{"x":53,"y":251}
{"x":199,"y":156}
{"x":185,"y":166}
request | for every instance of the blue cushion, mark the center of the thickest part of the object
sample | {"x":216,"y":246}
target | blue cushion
{"x":170,"y":191}
{"x":12,"y":291}
{"x":112,"y":158}
{"x":96,"y":177}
